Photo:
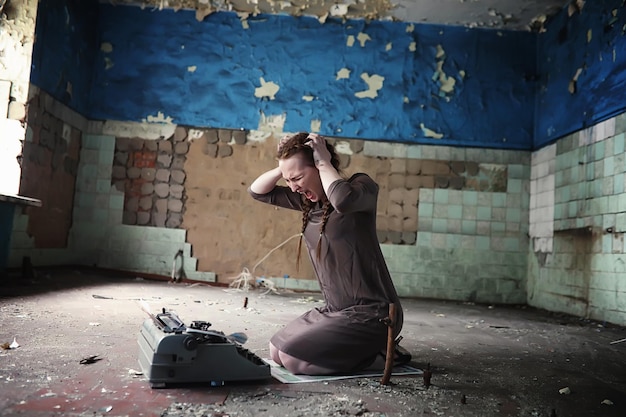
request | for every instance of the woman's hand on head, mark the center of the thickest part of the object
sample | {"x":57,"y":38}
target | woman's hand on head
{"x":321,"y":155}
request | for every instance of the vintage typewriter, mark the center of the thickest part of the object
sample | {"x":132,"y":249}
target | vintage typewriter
{"x":172,"y":353}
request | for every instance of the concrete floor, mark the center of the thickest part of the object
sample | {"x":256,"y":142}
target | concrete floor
{"x":486,"y":360}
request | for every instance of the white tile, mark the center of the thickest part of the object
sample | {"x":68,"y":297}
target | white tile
{"x":543,"y":155}
{"x":545,"y":184}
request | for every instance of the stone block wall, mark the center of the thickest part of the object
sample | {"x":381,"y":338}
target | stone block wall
{"x":153,"y":249}
{"x":398,"y":217}
{"x":151,"y":175}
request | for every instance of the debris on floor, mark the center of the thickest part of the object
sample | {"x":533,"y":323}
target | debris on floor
{"x":486,"y":360}
{"x":12,"y":345}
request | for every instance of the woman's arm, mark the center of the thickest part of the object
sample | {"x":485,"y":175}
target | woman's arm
{"x":360,"y":193}
{"x":266,"y":181}
{"x":322,"y":159}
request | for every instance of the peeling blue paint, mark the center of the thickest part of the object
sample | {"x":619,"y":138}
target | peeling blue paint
{"x":592,"y":40}
{"x":146,"y":72}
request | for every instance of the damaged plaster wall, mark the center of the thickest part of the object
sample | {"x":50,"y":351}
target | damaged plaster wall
{"x":512,"y":15}
{"x":229,"y":73}
{"x":501,"y":286}
{"x":581,"y":65}
{"x":17,"y":29}
{"x":281,"y":65}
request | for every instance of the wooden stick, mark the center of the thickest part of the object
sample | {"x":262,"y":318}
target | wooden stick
{"x":389,"y":357}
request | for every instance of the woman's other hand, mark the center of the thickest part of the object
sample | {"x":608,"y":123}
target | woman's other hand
{"x":321,"y":155}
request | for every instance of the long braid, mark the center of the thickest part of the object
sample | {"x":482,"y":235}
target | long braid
{"x":325,"y":216}
{"x":306,"y":209}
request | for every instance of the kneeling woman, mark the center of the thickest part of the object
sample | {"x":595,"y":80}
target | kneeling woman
{"x":339,"y":228}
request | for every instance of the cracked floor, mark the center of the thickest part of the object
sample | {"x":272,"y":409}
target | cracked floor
{"x":486,"y":360}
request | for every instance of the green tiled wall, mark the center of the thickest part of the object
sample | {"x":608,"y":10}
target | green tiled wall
{"x":585,"y":274}
{"x":471,"y":245}
{"x":98,"y":236}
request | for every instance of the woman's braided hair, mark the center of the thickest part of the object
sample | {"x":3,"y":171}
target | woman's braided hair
{"x":294,"y":145}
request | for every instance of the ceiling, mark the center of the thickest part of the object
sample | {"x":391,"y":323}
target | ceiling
{"x":492,"y":14}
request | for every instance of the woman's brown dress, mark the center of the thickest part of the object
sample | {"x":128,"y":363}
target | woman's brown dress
{"x":347,"y":333}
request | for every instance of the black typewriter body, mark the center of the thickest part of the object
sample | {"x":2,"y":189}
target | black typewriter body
{"x":172,"y":353}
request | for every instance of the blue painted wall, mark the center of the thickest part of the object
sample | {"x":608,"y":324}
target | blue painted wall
{"x":206,"y":73}
{"x":148,"y":71}
{"x":594,"y":41}
{"x":64,"y":51}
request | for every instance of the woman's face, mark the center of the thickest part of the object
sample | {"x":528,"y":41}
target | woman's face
{"x":302,"y":178}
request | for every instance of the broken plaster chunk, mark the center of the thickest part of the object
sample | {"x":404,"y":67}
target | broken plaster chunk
{"x":350,"y":41}
{"x":203,"y":12}
{"x":343,"y":147}
{"x":339,"y":10}
{"x":343,"y":74}
{"x":374,"y":82}
{"x":574,"y":81}
{"x":267,"y":89}
{"x":159,"y":118}
{"x":17,"y":111}
{"x":195,"y":134}
{"x":446,"y":83}
{"x":322,"y":18}
{"x":315,"y":125}
{"x":14,"y":344}
{"x":440,"y":52}
{"x":565,"y":391}
{"x":244,"y":21}
{"x":363,"y":37}
{"x":430,"y":133}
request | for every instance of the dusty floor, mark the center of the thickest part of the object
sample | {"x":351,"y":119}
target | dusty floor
{"x":486,"y":360}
